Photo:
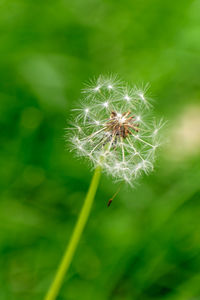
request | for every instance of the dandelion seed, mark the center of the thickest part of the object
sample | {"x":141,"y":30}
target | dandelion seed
{"x":125,"y":142}
{"x":97,"y":88}
{"x":105,"y":104}
{"x":138,"y":118}
{"x":155,"y":131}
{"x":126,"y":97}
{"x":142,"y":96}
{"x":119,"y":115}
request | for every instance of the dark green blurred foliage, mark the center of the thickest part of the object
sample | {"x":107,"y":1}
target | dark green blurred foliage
{"x":147,"y":244}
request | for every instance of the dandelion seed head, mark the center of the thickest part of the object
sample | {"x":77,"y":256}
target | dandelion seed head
{"x":112,"y":129}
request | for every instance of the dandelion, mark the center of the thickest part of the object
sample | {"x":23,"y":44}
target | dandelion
{"x":114,"y":129}
{"x":117,"y":129}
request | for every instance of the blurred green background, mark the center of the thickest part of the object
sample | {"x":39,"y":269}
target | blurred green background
{"x":147,"y":244}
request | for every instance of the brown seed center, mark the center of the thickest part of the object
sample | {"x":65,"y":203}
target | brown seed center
{"x":121,"y":125}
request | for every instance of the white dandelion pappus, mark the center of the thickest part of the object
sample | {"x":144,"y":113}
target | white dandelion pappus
{"x":114,"y":128}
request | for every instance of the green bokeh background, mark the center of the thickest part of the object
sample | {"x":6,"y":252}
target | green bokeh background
{"x":147,"y":244}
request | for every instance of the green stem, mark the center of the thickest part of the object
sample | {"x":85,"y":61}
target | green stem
{"x":70,"y":250}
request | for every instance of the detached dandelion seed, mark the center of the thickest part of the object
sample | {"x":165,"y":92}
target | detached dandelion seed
{"x":115,"y":130}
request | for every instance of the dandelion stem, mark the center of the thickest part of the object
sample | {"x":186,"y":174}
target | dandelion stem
{"x":76,"y":235}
